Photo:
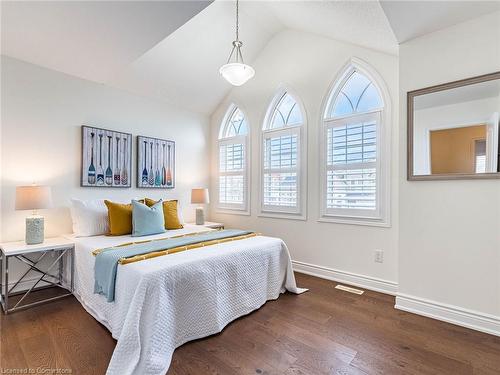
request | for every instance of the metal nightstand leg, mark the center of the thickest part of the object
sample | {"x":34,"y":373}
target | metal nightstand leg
{"x":4,"y":292}
{"x":72,"y":282}
{"x":1,"y":280}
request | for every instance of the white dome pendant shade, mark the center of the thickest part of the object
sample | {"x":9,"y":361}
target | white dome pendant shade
{"x":236,"y":72}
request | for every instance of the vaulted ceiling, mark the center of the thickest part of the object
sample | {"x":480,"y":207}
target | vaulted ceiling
{"x":89,"y":39}
{"x":411,"y":19}
{"x":172,"y":50}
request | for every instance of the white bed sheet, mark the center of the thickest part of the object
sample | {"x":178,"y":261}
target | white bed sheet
{"x":163,"y":302}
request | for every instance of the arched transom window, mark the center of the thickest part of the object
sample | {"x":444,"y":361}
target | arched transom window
{"x":282,"y":186}
{"x":357,"y":95}
{"x":286,"y":113}
{"x":235,"y":125}
{"x":233,"y":151}
{"x":352,"y":185}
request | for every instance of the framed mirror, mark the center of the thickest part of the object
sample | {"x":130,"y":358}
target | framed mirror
{"x":453,"y":130}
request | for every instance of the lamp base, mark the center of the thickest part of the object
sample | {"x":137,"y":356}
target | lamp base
{"x":34,"y":230}
{"x":200,"y":216}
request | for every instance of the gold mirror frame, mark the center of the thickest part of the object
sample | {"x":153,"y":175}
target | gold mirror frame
{"x":410,"y":109}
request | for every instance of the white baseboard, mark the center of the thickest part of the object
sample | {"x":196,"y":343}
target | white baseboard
{"x":448,"y":313}
{"x":371,"y":283}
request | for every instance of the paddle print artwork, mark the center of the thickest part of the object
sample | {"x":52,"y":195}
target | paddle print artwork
{"x":157,"y":173}
{"x":169,"y":168}
{"x":116,"y":176}
{"x":125,"y":159}
{"x":106,"y":158}
{"x":145,"y":170}
{"x":100,"y":171}
{"x":163,"y":170}
{"x":151,"y":176}
{"x":91,"y":172}
{"x":155,"y":163}
{"x":109,"y":171}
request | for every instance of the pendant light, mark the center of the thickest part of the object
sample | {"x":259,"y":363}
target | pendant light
{"x":236,"y":72}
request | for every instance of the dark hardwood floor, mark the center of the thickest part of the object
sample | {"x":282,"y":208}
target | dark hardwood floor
{"x":324,"y":331}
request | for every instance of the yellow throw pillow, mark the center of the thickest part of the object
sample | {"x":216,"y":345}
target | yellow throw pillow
{"x":169,"y":212}
{"x":120,"y":218}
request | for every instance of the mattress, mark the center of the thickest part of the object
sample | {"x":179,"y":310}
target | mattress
{"x":163,"y":302}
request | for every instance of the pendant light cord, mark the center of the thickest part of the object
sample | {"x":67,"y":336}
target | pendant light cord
{"x":236,"y":43}
{"x":237,"y":20}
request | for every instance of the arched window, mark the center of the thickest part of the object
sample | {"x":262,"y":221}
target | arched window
{"x":233,"y":161}
{"x":283,"y":158}
{"x":354,"y":182}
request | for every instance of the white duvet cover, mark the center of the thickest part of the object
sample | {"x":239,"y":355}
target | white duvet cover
{"x":163,"y":302}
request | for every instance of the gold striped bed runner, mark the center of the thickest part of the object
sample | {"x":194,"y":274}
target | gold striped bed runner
{"x":154,"y":254}
{"x":179,"y":249}
{"x":97,"y":251}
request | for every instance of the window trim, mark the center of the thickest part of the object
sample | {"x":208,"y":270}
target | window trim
{"x":229,"y":208}
{"x":299,"y":213}
{"x":383,"y":219}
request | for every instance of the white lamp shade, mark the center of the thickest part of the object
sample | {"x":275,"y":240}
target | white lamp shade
{"x":237,"y":73}
{"x":33,"y":197}
{"x":200,"y":196}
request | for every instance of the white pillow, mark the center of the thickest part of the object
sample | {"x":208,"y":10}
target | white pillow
{"x":90,"y":217}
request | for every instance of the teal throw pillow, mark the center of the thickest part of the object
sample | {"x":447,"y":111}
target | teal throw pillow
{"x":147,"y":220}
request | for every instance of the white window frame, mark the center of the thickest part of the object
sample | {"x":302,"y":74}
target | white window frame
{"x":231,"y":208}
{"x":298,"y":212}
{"x":381,"y":215}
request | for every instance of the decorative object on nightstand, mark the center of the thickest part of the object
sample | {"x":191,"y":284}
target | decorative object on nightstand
{"x":33,"y":197}
{"x":38,"y":258}
{"x":200,"y":196}
{"x":213,"y":225}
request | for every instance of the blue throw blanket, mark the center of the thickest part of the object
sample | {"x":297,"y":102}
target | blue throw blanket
{"x":106,"y":262}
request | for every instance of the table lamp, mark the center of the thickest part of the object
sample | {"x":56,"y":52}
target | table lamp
{"x":200,"y":196}
{"x":33,"y":197}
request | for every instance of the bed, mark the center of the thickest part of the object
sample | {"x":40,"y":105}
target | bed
{"x":164,"y":302}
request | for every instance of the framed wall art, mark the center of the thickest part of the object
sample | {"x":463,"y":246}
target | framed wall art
{"x":155,"y":163}
{"x":106,"y":158}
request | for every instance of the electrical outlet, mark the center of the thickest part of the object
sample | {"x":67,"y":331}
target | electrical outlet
{"x":379,"y":256}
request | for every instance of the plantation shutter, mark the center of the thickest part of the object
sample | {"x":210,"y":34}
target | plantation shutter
{"x":280,"y":169}
{"x":351,"y":180}
{"x":232,"y":173}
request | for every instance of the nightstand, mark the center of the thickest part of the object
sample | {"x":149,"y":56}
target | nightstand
{"x":52,"y":254}
{"x":211,"y":225}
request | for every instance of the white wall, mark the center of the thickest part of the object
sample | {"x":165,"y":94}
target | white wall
{"x":449,"y":249}
{"x":308,"y":64}
{"x":42,"y":112}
